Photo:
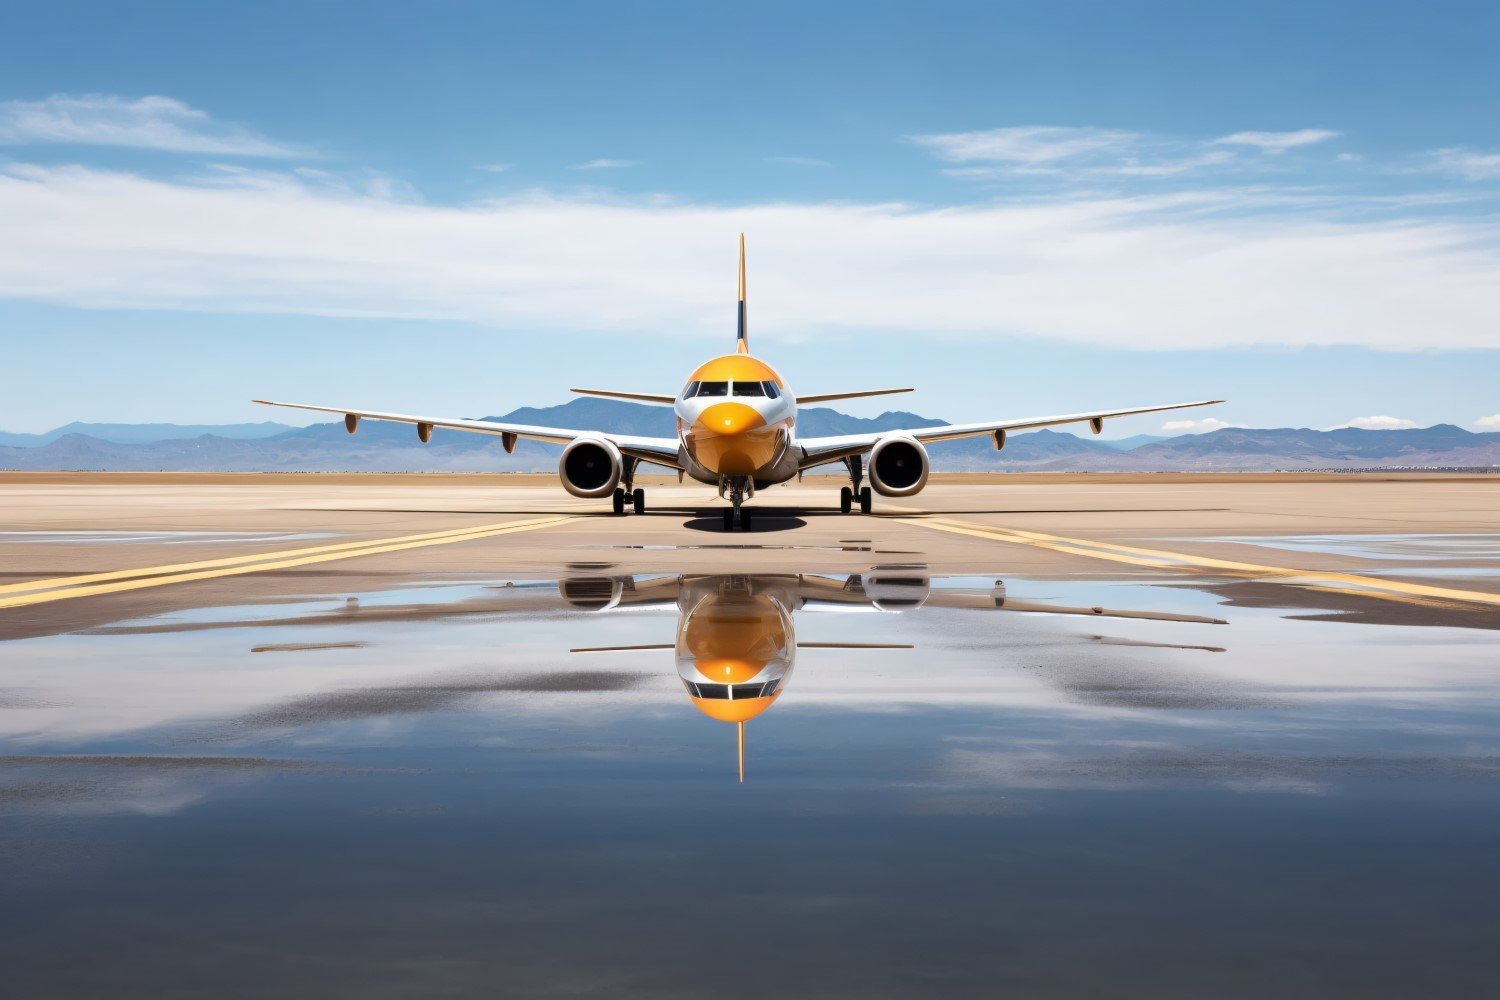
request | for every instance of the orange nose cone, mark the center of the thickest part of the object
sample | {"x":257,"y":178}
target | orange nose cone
{"x":739,"y":710}
{"x":730,"y":418}
{"x":733,"y":439}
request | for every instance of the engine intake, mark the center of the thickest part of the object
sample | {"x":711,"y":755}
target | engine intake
{"x":898,"y":466}
{"x":590,"y":467}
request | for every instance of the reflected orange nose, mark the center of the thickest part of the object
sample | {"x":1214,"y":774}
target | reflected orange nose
{"x":729,"y":670}
{"x":730,"y":418}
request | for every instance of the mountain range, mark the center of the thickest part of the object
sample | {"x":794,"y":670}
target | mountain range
{"x":380,"y":447}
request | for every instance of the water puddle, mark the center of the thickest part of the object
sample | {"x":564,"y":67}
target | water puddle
{"x":1478,"y":547}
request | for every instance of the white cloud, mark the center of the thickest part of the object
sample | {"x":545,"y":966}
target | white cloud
{"x":799,"y":161}
{"x":1378,"y":424}
{"x":1278,"y":142}
{"x":1034,"y":146}
{"x":1467,"y":163}
{"x":1489,"y":423}
{"x":606,"y":164}
{"x":494,"y":168}
{"x":1193,"y":270}
{"x":1195,"y":426}
{"x":143,"y":123}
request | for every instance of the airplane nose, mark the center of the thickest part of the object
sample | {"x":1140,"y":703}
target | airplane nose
{"x":730,"y":418}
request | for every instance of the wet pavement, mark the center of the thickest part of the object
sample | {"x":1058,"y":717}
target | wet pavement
{"x":957,"y":784}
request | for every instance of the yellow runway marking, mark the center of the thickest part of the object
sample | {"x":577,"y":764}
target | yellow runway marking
{"x":1349,"y":583}
{"x":91,"y":584}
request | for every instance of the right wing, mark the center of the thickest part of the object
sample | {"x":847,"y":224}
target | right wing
{"x":660,"y":451}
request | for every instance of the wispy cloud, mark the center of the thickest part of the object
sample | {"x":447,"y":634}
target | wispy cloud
{"x":494,"y":168}
{"x":1467,"y":163}
{"x":1081,"y":153}
{"x":1028,"y":147}
{"x":1489,"y":423}
{"x":606,"y":164}
{"x":799,"y":161}
{"x":1195,"y":426}
{"x":1278,"y":142}
{"x":1190,"y":270}
{"x":161,"y":123}
{"x":1378,"y":423}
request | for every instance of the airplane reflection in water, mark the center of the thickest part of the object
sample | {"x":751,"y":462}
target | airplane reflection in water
{"x":736,"y":643}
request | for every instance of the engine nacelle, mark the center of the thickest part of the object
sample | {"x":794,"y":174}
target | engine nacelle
{"x":895,"y":589}
{"x":591,"y":593}
{"x":590,"y":468}
{"x":898,"y":466}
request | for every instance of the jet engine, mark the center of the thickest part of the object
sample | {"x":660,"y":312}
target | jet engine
{"x":898,"y":466}
{"x":591,"y":593}
{"x":896,"y":588}
{"x":590,"y":467}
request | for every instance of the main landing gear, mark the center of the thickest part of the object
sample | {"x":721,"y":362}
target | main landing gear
{"x":849,"y":494}
{"x":635,"y":499}
{"x":627,"y":495}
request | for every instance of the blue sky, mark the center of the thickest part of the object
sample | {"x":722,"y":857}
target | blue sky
{"x":462,"y":208}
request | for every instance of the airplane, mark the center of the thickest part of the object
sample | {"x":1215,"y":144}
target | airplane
{"x":736,"y":430}
{"x":736,"y":643}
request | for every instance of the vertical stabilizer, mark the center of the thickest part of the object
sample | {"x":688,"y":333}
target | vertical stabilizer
{"x":742,"y":338}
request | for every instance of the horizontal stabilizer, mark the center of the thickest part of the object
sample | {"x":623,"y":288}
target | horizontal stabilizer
{"x":825,"y":397}
{"x":639,"y":397}
{"x":622,"y":649}
{"x":855,"y":645}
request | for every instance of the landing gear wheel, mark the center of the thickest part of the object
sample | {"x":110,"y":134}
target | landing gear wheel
{"x":728,"y":518}
{"x":619,"y":501}
{"x":846,"y":499}
{"x":865,"y":499}
{"x":744,"y":518}
{"x":640,"y":501}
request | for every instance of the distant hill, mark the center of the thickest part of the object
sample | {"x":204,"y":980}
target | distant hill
{"x":382,"y":447}
{"x":144,"y":433}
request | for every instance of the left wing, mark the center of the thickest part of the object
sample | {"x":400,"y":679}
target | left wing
{"x":659,"y":451}
{"x":819,"y":451}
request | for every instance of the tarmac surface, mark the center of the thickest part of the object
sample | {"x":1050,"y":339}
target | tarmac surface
{"x":81,"y":549}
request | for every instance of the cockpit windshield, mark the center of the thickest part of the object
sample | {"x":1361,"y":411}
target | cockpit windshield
{"x":732,"y":692}
{"x":736,"y":388}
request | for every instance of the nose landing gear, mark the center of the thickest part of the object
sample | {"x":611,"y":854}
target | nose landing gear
{"x":736,"y":491}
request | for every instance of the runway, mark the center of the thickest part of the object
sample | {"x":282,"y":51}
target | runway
{"x":349,"y":735}
{"x":107,"y":540}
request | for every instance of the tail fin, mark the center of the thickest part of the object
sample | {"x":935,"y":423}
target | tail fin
{"x":742,"y":337}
